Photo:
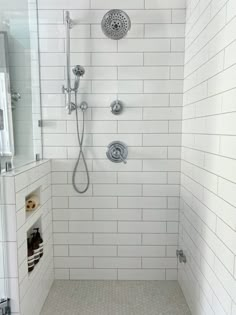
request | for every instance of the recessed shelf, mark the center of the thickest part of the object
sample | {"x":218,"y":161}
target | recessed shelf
{"x":32,"y":202}
{"x":37,"y":224}
{"x":39,"y":251}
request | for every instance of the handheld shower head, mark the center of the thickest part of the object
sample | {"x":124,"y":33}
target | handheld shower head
{"x":78,"y":71}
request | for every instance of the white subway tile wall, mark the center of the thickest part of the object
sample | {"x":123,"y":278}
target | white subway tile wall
{"x":208,"y":181}
{"x":27,"y":291}
{"x":126,"y":225}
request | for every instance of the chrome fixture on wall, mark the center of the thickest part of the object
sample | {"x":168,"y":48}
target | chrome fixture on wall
{"x":81,"y":158}
{"x":15,"y":96}
{"x":116,"y":24}
{"x":117,"y":107}
{"x":78,"y":72}
{"x":182,"y":257}
{"x":68,"y":90}
{"x":117,"y":152}
{"x":5,"y":308}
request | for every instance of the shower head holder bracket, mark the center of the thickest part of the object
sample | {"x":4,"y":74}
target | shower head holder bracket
{"x":68,"y":20}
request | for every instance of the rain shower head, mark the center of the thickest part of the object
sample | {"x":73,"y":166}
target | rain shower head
{"x":116,"y":24}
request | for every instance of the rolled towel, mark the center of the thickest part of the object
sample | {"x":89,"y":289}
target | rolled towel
{"x":32,"y":203}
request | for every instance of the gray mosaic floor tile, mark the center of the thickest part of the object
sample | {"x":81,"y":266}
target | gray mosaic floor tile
{"x":115,"y":298}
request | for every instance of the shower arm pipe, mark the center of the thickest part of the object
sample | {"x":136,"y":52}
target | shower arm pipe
{"x":68,"y":88}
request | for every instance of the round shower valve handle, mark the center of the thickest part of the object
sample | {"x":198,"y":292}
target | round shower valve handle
{"x":117,"y":152}
{"x":83,"y":106}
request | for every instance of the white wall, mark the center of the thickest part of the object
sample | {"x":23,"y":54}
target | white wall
{"x":126,"y":226}
{"x":27,"y":291}
{"x":208,"y":183}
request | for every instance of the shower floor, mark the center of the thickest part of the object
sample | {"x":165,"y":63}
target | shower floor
{"x":115,"y":298}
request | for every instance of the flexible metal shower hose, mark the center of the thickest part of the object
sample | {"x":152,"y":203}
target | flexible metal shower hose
{"x":81,"y":157}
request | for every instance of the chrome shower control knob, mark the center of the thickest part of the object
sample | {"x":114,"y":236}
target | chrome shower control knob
{"x":15,"y":96}
{"x":117,"y":152}
{"x":117,"y":107}
{"x":84,"y":106}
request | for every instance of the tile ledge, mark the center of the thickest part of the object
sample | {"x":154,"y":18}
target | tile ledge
{"x":24,"y":168}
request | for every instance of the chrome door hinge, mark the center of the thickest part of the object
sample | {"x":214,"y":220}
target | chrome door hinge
{"x":37,"y":157}
{"x":1,"y":119}
{"x":5,"y":307}
{"x":182,"y":257}
{"x":40,"y":123}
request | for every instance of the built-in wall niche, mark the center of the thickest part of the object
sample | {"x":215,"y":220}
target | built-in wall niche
{"x":34,"y":245}
{"x":32,"y":202}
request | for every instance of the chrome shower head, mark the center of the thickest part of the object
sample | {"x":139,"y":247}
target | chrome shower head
{"x":116,"y":24}
{"x":78,"y":71}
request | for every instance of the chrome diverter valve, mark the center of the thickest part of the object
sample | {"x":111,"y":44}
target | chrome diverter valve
{"x":117,"y":152}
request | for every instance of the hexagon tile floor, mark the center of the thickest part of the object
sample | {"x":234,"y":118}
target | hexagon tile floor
{"x":115,"y":298}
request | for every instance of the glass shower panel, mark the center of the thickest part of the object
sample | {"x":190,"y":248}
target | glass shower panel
{"x":20,"y":134}
{"x":6,"y":125}
{"x":18,"y":21}
{"x":3,"y":280}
